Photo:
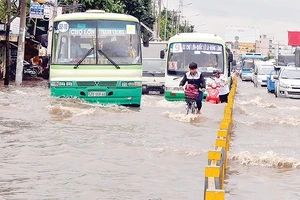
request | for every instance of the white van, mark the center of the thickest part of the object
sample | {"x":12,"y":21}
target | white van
{"x":153,"y":79}
{"x":261,"y":72}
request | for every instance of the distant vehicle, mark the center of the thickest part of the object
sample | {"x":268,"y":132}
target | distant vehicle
{"x":153,"y":80}
{"x":253,"y":54}
{"x":287,"y":83}
{"x":247,"y":66}
{"x":261,"y":72}
{"x":292,"y":64}
{"x":284,"y":59}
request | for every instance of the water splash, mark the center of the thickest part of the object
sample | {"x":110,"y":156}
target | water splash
{"x":258,"y":101}
{"x":157,"y":101}
{"x":189,"y":153}
{"x":68,"y":111}
{"x":182,"y":117}
{"x":268,"y":159}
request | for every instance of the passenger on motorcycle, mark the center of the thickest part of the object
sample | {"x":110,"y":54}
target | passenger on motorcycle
{"x":195,"y":78}
{"x":224,"y":87}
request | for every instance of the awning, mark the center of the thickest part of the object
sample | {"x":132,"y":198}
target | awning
{"x":12,"y":38}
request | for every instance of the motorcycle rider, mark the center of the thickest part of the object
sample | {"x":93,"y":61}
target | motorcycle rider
{"x":196,"y":78}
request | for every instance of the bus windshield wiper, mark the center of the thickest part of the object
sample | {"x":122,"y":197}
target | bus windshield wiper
{"x":108,"y":58}
{"x":83,"y":57}
{"x":177,"y":78}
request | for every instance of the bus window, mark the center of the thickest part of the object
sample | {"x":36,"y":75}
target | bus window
{"x":209,"y":57}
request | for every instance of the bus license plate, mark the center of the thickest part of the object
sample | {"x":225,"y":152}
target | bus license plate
{"x":97,"y":94}
{"x":154,"y":92}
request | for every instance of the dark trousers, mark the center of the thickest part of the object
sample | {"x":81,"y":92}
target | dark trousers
{"x":199,"y":100}
{"x":224,"y":98}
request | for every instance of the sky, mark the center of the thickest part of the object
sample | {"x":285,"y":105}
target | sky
{"x":272,"y":17}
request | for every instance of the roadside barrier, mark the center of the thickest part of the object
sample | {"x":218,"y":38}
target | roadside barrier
{"x":217,"y":159}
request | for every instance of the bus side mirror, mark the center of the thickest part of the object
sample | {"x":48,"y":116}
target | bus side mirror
{"x":162,"y":54}
{"x":146,"y":41}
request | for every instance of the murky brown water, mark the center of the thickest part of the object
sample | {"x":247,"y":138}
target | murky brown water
{"x":265,"y":154}
{"x":67,"y":149}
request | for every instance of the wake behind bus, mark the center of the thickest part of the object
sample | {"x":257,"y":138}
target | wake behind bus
{"x":96,"y":56}
{"x":207,"y":50}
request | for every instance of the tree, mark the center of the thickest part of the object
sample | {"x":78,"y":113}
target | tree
{"x":141,"y":9}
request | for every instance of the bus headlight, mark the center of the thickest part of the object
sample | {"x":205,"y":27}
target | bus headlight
{"x":131,"y":83}
{"x":61,"y":83}
{"x":173,"y":89}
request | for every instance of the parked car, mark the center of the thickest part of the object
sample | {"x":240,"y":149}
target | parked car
{"x":153,"y":76}
{"x":287,"y":83}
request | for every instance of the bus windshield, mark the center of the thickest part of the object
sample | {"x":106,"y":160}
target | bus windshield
{"x":208,"y":56}
{"x":248,"y":65}
{"x":118,"y":40}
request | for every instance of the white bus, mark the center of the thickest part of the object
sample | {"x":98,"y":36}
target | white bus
{"x":207,"y":50}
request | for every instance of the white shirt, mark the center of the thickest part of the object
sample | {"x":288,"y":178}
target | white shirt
{"x":224,"y":89}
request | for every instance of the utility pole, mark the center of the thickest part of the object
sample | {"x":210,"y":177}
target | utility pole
{"x":180,"y":9}
{"x":166,"y":21}
{"x":158,"y":19}
{"x":75,"y":5}
{"x":7,"y":52}
{"x":21,"y":42}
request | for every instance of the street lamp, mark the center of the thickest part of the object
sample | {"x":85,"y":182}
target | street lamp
{"x":180,"y":11}
{"x":186,"y":22}
{"x":199,"y":25}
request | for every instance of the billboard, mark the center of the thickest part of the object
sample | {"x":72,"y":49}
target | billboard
{"x":243,"y":34}
{"x":294,"y":38}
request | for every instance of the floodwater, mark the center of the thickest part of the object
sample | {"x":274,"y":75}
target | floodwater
{"x":265,"y":154}
{"x":68,"y":149}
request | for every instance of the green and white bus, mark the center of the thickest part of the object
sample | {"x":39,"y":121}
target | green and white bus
{"x":96,"y":56}
{"x":207,"y":50}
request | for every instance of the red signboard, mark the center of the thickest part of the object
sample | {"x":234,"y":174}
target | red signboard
{"x":294,"y":38}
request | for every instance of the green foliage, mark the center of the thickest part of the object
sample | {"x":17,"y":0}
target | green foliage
{"x":141,"y":9}
{"x":3,"y":10}
{"x":169,"y":26}
{"x":107,"y":5}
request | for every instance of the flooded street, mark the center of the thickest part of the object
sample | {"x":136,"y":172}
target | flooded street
{"x":265,"y":155}
{"x":67,"y":149}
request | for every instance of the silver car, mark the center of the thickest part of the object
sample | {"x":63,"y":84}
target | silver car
{"x":287,"y":83}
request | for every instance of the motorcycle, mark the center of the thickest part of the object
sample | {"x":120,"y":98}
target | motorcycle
{"x":213,"y":93}
{"x":29,"y":70}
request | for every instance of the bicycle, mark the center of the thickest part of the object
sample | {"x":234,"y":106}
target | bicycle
{"x":191,"y":93}
{"x":191,"y":105}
